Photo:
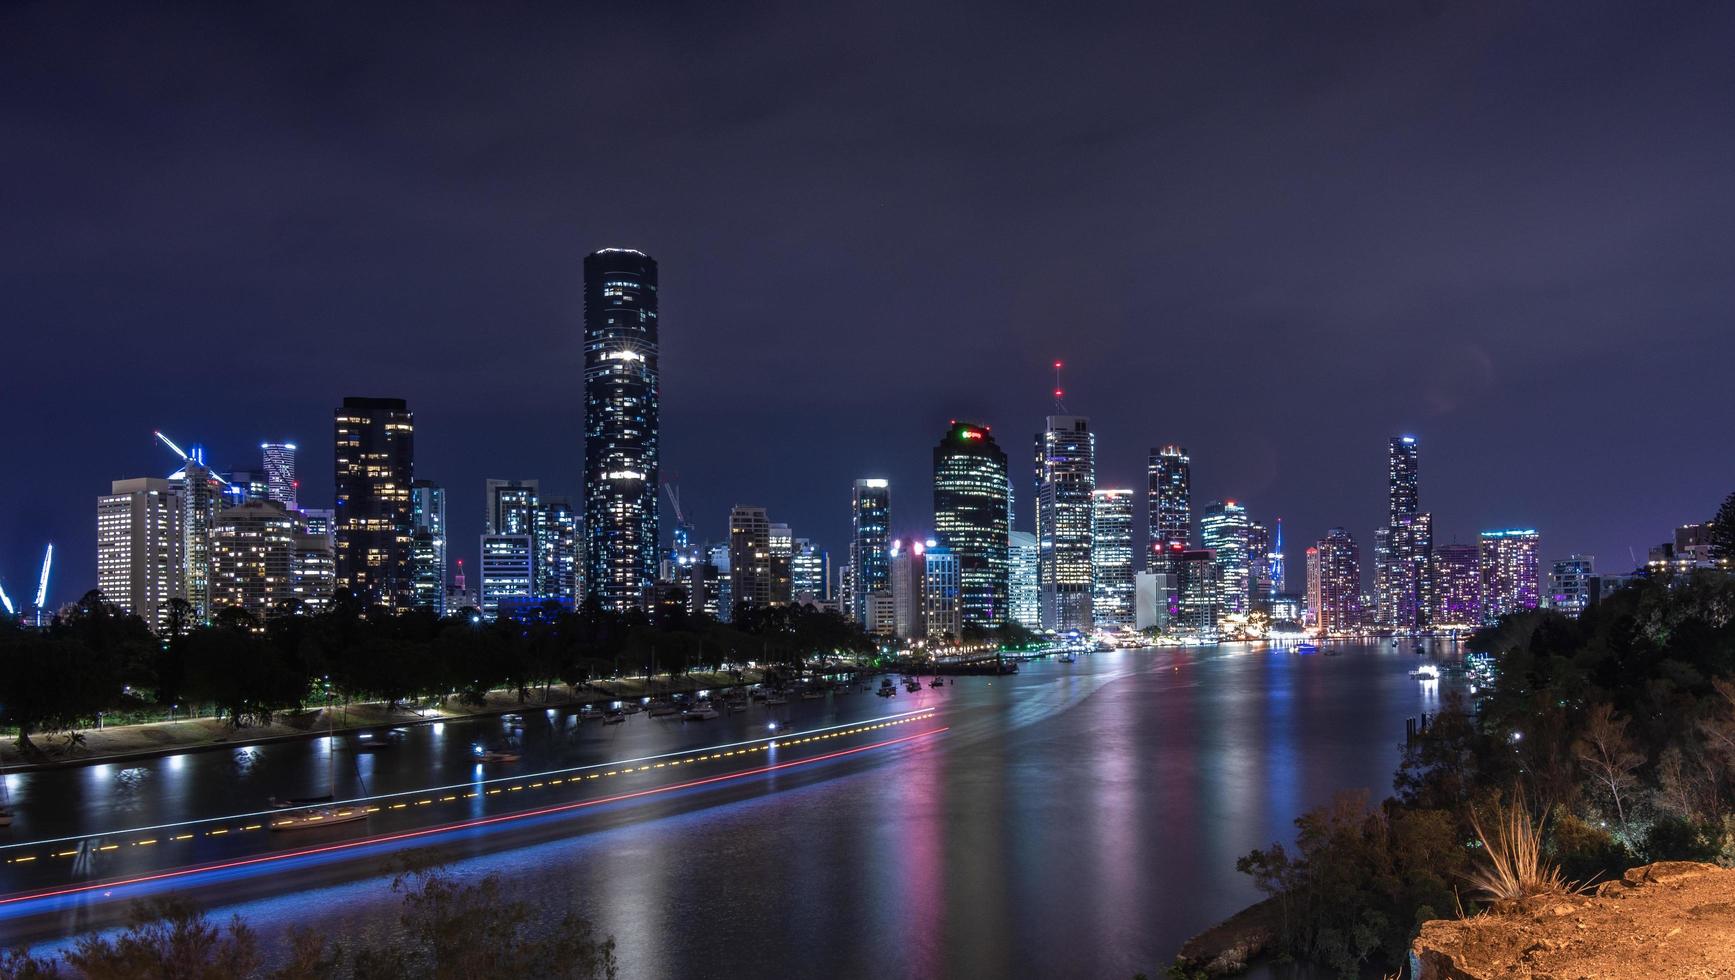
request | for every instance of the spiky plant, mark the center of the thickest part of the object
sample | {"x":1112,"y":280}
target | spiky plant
{"x":1515,"y":866}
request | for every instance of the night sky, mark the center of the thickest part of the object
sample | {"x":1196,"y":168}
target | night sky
{"x":1276,"y":233}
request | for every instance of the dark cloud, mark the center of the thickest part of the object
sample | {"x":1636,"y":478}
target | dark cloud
{"x":1276,"y":233}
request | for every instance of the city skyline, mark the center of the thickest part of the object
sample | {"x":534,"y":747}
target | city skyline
{"x":1339,"y":272}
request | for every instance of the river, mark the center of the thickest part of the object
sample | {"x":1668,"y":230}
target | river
{"x":1072,"y":820}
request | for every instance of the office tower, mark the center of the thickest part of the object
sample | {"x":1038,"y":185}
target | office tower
{"x":1258,"y":565}
{"x":810,"y":572}
{"x":1112,"y":559}
{"x":621,"y":426}
{"x":1169,"y":503}
{"x":510,"y":505}
{"x":1023,"y":592}
{"x":1276,"y":569}
{"x":942,"y":594}
{"x":907,"y":571}
{"x":240,"y":486}
{"x":751,"y":581}
{"x":140,"y":564}
{"x":881,"y":619}
{"x":279,"y":466}
{"x":1224,"y":530}
{"x":508,"y":572}
{"x":1066,"y":478}
{"x":1507,"y":563}
{"x":253,"y":558}
{"x":1197,"y":588}
{"x":323,"y":522}
{"x":1402,"y":467}
{"x":1455,"y":587}
{"x":782,"y":544}
{"x":554,"y":528}
{"x":428,"y":546}
{"x":1338,"y":604}
{"x":703,"y":588}
{"x":869,"y":561}
{"x":313,"y":570}
{"x":719,"y":557}
{"x":1569,"y":584}
{"x":201,"y":494}
{"x":971,"y":517}
{"x":375,"y":454}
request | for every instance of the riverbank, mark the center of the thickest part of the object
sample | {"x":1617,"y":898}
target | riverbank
{"x":124,"y":743}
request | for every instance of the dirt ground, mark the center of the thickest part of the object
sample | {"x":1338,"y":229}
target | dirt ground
{"x":1671,"y":919}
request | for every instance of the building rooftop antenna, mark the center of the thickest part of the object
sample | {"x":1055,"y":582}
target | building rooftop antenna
{"x":1059,"y":393}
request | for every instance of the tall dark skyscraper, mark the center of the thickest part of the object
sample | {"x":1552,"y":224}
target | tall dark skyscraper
{"x":375,"y":453}
{"x":870,"y":543}
{"x":1066,"y":479}
{"x":1169,"y":503}
{"x":620,"y":426}
{"x":1402,"y":461}
{"x":971,"y":519}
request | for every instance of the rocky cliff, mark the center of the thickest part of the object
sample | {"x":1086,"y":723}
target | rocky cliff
{"x":1672,"y":919}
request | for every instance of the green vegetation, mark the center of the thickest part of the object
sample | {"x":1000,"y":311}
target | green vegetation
{"x":451,"y":930}
{"x":1618,"y":728}
{"x":94,"y":659}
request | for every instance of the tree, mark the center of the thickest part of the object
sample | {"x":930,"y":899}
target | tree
{"x":169,"y":939}
{"x":1723,"y":531}
{"x":1608,"y":757}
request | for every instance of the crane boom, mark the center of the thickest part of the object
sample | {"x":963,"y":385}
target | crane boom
{"x":42,"y":583}
{"x":171,"y":444}
{"x":6,"y":601}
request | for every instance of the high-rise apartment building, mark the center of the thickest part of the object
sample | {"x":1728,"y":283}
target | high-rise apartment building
{"x":1403,"y":546}
{"x":1065,"y":480}
{"x":1225,"y":530}
{"x":1169,"y":503}
{"x":1402,"y":470}
{"x":810,"y":572}
{"x":621,"y":426}
{"x":253,"y":558}
{"x":1570,"y":584}
{"x":374,"y":457}
{"x":1455,"y":587}
{"x":201,"y":494}
{"x":908,"y":569}
{"x":313,"y":573}
{"x":971,"y":518}
{"x":558,"y":536}
{"x":1112,"y":586}
{"x":510,"y":505}
{"x":140,"y":564}
{"x":751,"y":582}
{"x":1197,"y":590}
{"x":1336,"y":605}
{"x":870,"y":541}
{"x":279,"y":465}
{"x":1023,"y":593}
{"x":782,"y":543}
{"x":428,"y":546}
{"x":942,"y":595}
{"x":1508,"y":567}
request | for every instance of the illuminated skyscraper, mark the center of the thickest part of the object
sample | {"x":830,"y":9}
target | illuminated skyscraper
{"x":869,"y":558}
{"x":810,"y":572}
{"x":942,"y":592}
{"x":510,"y":505}
{"x":1169,"y":503}
{"x":1507,"y":562}
{"x":971,"y":518}
{"x":201,"y":494}
{"x":621,"y":426}
{"x":1023,"y":594}
{"x":555,"y":533}
{"x":752,"y":584}
{"x":1112,"y":589}
{"x":1455,"y":587}
{"x":782,"y":541}
{"x":907,"y":570}
{"x":1224,"y":530}
{"x":1197,"y":588}
{"x":428,"y":545}
{"x":1336,"y":602}
{"x":1402,"y":464}
{"x":253,"y":558}
{"x":280,"y":482}
{"x":1065,"y":480}
{"x":139,"y":544}
{"x":508,"y":571}
{"x":1569,"y":584}
{"x":375,"y":443}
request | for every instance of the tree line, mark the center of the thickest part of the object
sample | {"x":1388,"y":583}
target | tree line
{"x":95,"y":658}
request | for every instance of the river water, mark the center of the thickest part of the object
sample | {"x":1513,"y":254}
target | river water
{"x":1077,"y":820}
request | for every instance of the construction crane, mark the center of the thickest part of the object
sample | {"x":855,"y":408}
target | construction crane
{"x":196,"y":456}
{"x":6,"y":602}
{"x":683,"y":533}
{"x":42,"y":582}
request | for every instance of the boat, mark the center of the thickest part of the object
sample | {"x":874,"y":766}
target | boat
{"x":1067,"y":658}
{"x":912,"y":685}
{"x":322,"y":816}
{"x":497,"y":755}
{"x":1426,"y":672}
{"x":294,"y":802}
{"x":700,"y":712}
{"x":632,"y":707}
{"x":887,"y":688}
{"x":812,"y":694}
{"x":664,"y":709}
{"x":736,"y":707}
{"x":776,"y":697}
{"x":615,"y":717}
{"x":936,"y":682}
{"x":375,"y":741}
